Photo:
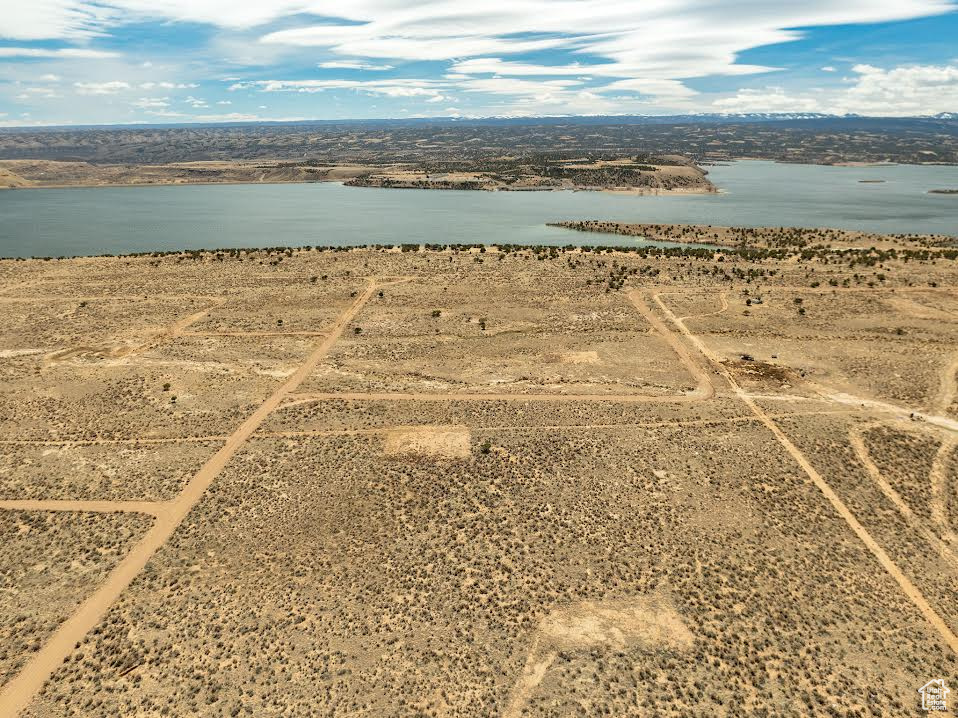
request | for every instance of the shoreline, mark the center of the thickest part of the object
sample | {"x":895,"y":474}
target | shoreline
{"x":621,"y":191}
{"x":638,"y":192}
{"x":133,"y":185}
{"x":757,"y":237}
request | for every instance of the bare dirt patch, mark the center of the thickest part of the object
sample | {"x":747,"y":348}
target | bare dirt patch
{"x":622,"y":624}
{"x":583,"y":357}
{"x":759,"y":371}
{"x":645,"y":622}
{"x":443,"y":442}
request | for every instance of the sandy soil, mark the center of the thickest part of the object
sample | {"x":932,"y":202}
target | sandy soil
{"x":478,"y":483}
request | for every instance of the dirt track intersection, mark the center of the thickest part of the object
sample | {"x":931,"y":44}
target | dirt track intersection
{"x":417,"y":484}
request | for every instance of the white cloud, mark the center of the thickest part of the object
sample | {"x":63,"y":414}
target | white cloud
{"x":905,"y":90}
{"x":647,"y":48}
{"x":658,"y":88}
{"x":168,"y":85}
{"x":196,"y":102}
{"x":357,"y":40}
{"x":50,"y":78}
{"x":34,"y":92}
{"x":497,"y":66}
{"x":388,"y":88}
{"x":49,"y":19}
{"x":63,"y":52}
{"x":612,"y":55}
{"x":163,"y":112}
{"x":513,"y":86}
{"x":912,"y":89}
{"x":769,"y":99}
{"x":151,"y":103}
{"x":244,"y":117}
{"x":101,"y":88}
{"x":224,"y":102}
{"x":667,"y":39}
{"x":347,"y":65}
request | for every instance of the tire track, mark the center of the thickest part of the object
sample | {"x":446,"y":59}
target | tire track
{"x":857,"y":441}
{"x":17,"y":694}
{"x":885,"y":561}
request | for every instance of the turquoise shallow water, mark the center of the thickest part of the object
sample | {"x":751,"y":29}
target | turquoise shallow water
{"x":56,"y":222}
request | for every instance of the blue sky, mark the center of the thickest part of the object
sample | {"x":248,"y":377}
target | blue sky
{"x":125,"y":61}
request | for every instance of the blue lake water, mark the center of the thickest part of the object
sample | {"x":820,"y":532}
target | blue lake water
{"x":55,"y":222}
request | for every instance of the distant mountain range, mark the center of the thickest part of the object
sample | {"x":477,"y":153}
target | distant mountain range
{"x":704,"y":118}
{"x":804,"y":119}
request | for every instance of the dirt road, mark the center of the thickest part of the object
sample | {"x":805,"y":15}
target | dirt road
{"x":904,"y":583}
{"x":20,"y":691}
{"x":947,"y":386}
{"x":857,"y":442}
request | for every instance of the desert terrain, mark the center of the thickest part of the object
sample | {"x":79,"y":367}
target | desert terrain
{"x":474,"y":481}
{"x":814,"y":240}
{"x":37,"y":174}
{"x":622,"y":154}
{"x":857,"y":141}
{"x":644,"y":174}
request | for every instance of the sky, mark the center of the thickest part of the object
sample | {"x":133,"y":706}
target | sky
{"x":179,"y":61}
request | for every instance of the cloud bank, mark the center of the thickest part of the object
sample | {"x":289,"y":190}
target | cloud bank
{"x":514,"y":58}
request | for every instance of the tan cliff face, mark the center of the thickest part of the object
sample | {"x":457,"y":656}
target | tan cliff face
{"x":479,"y":481}
{"x":11,"y":180}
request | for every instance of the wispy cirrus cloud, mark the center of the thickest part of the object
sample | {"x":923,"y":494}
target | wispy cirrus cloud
{"x":101,"y":88}
{"x":151,"y":103}
{"x":516,"y":57}
{"x":68,"y":53}
{"x":389,"y":88}
{"x":168,"y":85}
{"x":353,"y":65}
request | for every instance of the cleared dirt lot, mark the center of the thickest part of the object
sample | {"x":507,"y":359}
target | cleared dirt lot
{"x":475,"y":339}
{"x":478,"y":483}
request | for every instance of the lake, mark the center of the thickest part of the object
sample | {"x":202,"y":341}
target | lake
{"x":115,"y":220}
